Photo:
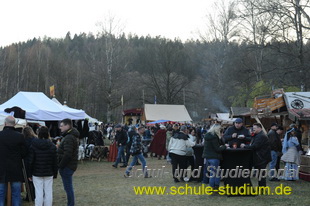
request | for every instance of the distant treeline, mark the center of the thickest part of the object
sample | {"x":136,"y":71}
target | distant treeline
{"x":93,"y":72}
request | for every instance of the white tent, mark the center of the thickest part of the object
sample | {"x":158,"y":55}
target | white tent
{"x":39,"y":107}
{"x":90,"y":119}
{"x":224,"y":118}
{"x":56,"y":100}
{"x":175,"y":113}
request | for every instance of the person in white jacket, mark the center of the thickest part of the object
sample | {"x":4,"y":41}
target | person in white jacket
{"x":177,"y":150}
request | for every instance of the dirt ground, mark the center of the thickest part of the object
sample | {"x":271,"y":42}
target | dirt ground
{"x":98,"y":183}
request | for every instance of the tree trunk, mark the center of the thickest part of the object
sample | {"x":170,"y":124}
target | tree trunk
{"x":39,"y":65}
{"x":18,"y":68}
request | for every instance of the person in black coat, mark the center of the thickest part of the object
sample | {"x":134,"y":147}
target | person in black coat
{"x":276,"y":148}
{"x":43,"y":167}
{"x":68,"y":157}
{"x":121,"y":140}
{"x":261,"y":148}
{"x":237,"y":134}
{"x":12,"y":151}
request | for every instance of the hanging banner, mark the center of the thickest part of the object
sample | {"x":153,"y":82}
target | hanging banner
{"x":52,"y":91}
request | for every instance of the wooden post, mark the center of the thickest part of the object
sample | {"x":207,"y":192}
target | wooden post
{"x":9,"y":195}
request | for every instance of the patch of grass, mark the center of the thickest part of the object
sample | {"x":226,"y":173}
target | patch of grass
{"x":98,"y":183}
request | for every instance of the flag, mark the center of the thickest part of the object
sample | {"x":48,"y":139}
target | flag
{"x":155,"y":100}
{"x":122,"y":100}
{"x":52,"y":91}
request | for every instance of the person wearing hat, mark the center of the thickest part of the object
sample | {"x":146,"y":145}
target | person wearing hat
{"x":121,"y":141}
{"x":298,"y":135}
{"x":237,"y":134}
{"x":290,"y":156}
{"x":274,"y":144}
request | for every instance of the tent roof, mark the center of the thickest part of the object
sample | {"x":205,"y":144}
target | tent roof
{"x":224,"y":117}
{"x":90,"y":119}
{"x":176,"y":113}
{"x":39,"y":107}
{"x":240,"y":111}
{"x":56,"y":100}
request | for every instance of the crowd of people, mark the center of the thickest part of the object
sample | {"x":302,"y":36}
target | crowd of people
{"x":32,"y":157}
{"x":175,"y":143}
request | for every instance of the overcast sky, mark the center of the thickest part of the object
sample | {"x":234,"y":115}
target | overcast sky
{"x":21,"y":20}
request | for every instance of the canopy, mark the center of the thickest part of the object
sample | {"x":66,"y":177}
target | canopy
{"x":90,"y":119}
{"x":56,"y":100}
{"x":39,"y":107}
{"x":158,"y":121}
{"x":224,"y":118}
{"x":175,"y":113}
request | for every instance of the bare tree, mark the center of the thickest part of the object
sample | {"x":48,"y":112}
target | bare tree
{"x":295,"y":20}
{"x":222,"y":28}
{"x":111,"y":34}
{"x":258,"y":29}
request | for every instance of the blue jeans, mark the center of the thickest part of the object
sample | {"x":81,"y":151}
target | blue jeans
{"x":273,"y":163}
{"x":16,"y":196}
{"x":205,"y":179}
{"x":134,"y":161}
{"x":120,"y":154}
{"x":213,"y":165}
{"x":66,"y":176}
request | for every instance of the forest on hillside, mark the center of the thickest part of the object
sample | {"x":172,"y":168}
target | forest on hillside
{"x":249,"y":48}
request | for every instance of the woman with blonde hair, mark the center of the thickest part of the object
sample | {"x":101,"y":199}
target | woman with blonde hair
{"x":212,"y":153}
